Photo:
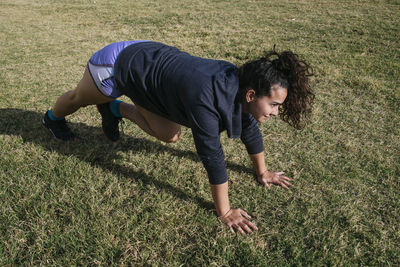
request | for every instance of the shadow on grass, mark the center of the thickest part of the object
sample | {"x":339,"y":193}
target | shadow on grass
{"x":27,"y":124}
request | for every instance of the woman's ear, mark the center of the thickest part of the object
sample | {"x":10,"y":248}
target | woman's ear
{"x":250,"y":95}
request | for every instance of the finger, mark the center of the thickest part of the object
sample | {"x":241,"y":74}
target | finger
{"x":279,"y":173}
{"x":230,"y":227}
{"x":245,"y":214}
{"x":283,"y":185}
{"x":287,"y":183}
{"x":284,"y":181}
{"x":242,"y":231}
{"x":246,"y":228}
{"x":237,"y":227}
{"x":263,"y":181}
{"x":251,"y":225}
{"x":267,"y":185}
{"x":287,"y":178}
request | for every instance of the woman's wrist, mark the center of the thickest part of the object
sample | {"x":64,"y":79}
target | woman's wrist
{"x":258,"y":163}
{"x":224,"y":214}
{"x":261,"y":173}
{"x":222,"y":211}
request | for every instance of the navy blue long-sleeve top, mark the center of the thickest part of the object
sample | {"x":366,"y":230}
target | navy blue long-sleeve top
{"x":199,"y":93}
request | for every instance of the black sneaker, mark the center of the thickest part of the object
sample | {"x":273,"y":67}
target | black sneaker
{"x":59,"y":128}
{"x":109,"y":122}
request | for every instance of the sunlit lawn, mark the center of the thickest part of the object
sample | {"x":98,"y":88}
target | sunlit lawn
{"x":143,"y":202}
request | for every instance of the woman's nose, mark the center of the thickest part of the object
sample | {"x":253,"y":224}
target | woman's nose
{"x":275,"y":112}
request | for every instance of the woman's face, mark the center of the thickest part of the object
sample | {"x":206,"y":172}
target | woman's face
{"x":262,"y":108}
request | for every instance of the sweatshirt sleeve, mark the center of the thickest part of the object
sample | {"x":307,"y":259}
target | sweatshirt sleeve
{"x":205,"y":130}
{"x":251,"y":135}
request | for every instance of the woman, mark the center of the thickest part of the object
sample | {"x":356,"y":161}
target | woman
{"x":170,"y":88}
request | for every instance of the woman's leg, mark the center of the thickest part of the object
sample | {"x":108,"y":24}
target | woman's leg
{"x":153,"y":124}
{"x":85,"y":93}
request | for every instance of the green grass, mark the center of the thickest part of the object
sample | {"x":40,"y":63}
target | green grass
{"x":143,"y":202}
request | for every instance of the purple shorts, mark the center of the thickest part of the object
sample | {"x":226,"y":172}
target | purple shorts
{"x":101,"y":67}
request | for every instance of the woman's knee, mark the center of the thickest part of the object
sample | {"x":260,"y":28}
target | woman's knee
{"x":171,"y":138}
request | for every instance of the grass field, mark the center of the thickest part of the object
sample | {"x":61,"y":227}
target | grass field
{"x":143,"y":202}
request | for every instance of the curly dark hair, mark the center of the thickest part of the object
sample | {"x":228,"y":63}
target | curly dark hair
{"x":287,"y":70}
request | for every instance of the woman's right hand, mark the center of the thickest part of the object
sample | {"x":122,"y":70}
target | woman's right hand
{"x":238,"y":219}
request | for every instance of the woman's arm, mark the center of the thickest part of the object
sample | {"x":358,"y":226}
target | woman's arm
{"x":233,"y":218}
{"x":206,"y":136}
{"x":265,"y":177}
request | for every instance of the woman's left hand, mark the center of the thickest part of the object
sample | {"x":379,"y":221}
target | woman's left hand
{"x":267,"y":178}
